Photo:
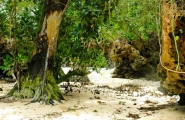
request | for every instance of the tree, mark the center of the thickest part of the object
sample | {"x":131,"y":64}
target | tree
{"x":81,"y":34}
{"x":40,"y":68}
{"x":40,"y":82}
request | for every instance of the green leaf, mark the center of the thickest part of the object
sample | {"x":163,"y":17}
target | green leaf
{"x":176,"y":38}
{"x":181,"y":31}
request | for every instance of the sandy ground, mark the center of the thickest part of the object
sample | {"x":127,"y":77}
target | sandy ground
{"x":138,"y":99}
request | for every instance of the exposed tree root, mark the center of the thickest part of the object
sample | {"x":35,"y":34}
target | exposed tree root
{"x":72,"y":73}
{"x":33,"y":89}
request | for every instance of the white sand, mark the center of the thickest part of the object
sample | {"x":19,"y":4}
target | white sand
{"x":112,"y":105}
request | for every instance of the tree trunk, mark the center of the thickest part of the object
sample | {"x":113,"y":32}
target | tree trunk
{"x":47,"y":39}
{"x":40,"y":83}
{"x":172,"y":67}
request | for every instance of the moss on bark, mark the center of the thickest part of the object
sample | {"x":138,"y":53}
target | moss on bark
{"x":33,"y":89}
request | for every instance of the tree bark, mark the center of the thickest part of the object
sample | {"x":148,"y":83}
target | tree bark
{"x":47,"y":39}
{"x":173,"y":35}
{"x":40,"y":83}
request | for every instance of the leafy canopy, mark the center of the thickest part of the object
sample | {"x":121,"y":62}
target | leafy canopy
{"x":132,"y":20}
{"x":78,"y":30}
{"x":85,"y":26}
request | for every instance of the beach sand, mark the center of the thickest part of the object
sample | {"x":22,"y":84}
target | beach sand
{"x":139,"y":99}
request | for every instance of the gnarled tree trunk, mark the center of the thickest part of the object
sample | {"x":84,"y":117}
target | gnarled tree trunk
{"x":40,"y":83}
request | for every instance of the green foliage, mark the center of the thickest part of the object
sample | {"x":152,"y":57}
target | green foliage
{"x":79,"y":30}
{"x":8,"y":65}
{"x":176,"y":38}
{"x":3,"y":24}
{"x":85,"y":25}
{"x":92,"y":14}
{"x":9,"y":61}
{"x":5,"y":16}
{"x":21,"y":26}
{"x":132,"y":20}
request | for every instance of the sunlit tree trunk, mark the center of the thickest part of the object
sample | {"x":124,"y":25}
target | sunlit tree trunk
{"x":47,"y":39}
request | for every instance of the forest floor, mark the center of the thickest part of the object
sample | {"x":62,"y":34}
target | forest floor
{"x":115,"y":99}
